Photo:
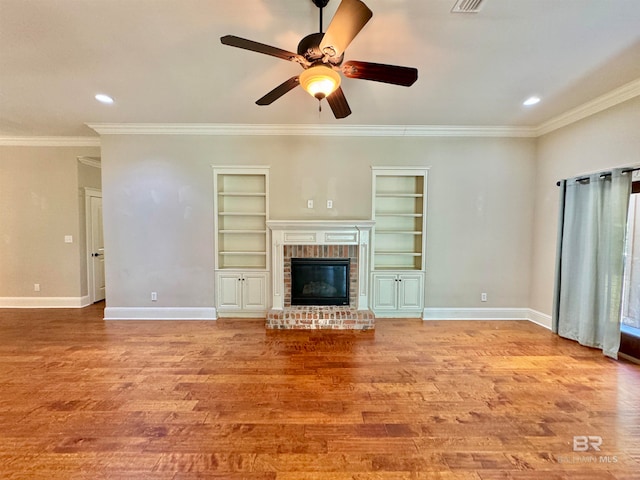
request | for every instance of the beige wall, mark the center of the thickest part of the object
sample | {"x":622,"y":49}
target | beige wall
{"x":158,"y":208}
{"x":38,"y":207}
{"x":491,"y":225}
{"x":608,"y":139}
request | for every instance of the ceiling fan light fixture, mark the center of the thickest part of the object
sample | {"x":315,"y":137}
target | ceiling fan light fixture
{"x":320,"y":81}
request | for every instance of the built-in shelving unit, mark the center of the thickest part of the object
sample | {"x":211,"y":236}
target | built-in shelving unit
{"x":241,"y":208}
{"x":399,"y":237}
{"x":399,"y":206}
{"x":241,"y":215}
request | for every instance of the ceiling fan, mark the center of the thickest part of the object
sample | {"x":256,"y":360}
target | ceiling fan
{"x":321,"y":56}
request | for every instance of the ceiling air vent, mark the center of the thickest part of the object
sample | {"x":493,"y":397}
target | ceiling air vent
{"x":467,"y":6}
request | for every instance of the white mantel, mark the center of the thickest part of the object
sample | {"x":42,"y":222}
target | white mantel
{"x":320,"y":232}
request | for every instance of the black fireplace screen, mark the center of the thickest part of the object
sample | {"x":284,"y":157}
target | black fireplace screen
{"x":319,"y":281}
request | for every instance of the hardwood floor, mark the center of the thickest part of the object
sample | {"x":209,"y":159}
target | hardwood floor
{"x":83,"y":398}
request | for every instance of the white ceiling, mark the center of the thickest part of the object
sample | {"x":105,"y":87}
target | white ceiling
{"x":163,"y":62}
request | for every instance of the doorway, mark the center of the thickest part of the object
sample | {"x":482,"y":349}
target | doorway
{"x":630,"y":315}
{"x":95,"y":245}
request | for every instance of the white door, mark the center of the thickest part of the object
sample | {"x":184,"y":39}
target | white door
{"x":409,"y":292}
{"x":96,"y":254}
{"x":254,"y":291}
{"x":385,"y":288}
{"x":229,"y":291}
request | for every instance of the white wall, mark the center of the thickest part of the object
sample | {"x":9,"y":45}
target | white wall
{"x":605,"y":140}
{"x":39,"y":205}
{"x":158,"y":208}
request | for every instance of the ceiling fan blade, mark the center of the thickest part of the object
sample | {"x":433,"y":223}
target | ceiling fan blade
{"x":378,"y":72}
{"x":349,"y":19}
{"x":279,"y":91}
{"x":338,"y":104}
{"x":239,"y":42}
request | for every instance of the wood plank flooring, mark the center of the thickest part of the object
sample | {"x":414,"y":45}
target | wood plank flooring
{"x":81,"y":398}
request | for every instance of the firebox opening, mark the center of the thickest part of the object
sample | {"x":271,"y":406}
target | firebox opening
{"x":319,"y":281}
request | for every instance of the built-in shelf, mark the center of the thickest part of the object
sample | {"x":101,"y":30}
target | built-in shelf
{"x":404,"y":214}
{"x":241,"y":194}
{"x":241,"y":212}
{"x":390,"y":252}
{"x":398,"y":207}
{"x":399,"y":195}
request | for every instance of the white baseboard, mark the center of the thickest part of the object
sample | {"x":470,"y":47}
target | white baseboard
{"x":383,"y":314}
{"x":160,"y":313}
{"x":540,"y":318}
{"x":44,"y":302}
{"x":487,"y":314}
{"x":243,"y":314}
{"x":85,"y":301}
{"x":474,"y":314}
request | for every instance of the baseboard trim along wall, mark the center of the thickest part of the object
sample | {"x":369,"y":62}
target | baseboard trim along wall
{"x":209,"y":313}
{"x":540,"y":318}
{"x":487,"y":314}
{"x":44,"y":302}
{"x":160,"y":313}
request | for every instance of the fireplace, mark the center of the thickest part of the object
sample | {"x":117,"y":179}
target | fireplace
{"x":319,"y":281}
{"x":341,"y":245}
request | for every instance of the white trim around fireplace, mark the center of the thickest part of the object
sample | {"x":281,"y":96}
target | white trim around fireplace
{"x":320,"y":232}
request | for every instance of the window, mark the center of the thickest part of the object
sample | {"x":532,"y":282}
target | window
{"x":630,"y":336}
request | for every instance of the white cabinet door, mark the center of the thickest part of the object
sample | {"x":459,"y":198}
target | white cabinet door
{"x":410,"y":292}
{"x":385,"y":295}
{"x":229,"y":291}
{"x":254,"y":291}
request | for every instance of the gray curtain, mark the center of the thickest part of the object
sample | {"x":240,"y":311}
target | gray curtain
{"x":590,"y":263}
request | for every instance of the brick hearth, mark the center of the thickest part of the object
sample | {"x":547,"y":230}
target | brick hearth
{"x":321,"y":317}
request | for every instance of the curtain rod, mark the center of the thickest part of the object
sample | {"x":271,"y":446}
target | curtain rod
{"x":602,"y":175}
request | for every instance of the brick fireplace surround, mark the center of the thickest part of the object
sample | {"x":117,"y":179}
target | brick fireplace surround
{"x":320,"y":239}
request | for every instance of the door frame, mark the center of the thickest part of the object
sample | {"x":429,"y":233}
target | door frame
{"x":88,"y":194}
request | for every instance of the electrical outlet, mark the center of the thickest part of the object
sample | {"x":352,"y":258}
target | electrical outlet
{"x":483,"y":297}
{"x":36,"y":287}
{"x":329,"y":203}
{"x":309,"y":203}
{"x":154,"y":296}
{"x":68,"y":239}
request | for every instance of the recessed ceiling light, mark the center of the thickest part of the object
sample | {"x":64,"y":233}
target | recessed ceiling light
{"x":531,"y":101}
{"x":101,"y":97}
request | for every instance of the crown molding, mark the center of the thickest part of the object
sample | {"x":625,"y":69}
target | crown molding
{"x":90,"y":161}
{"x":311,"y":130}
{"x":608,"y":100}
{"x":24,"y":141}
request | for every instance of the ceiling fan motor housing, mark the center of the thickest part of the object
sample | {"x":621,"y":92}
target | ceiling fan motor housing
{"x":320,"y":3}
{"x":309,"y":48}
